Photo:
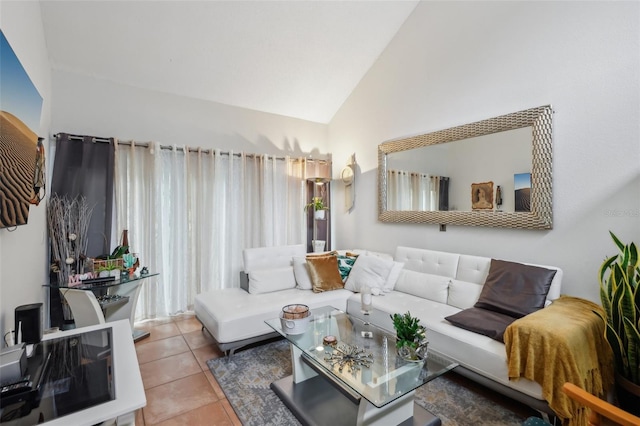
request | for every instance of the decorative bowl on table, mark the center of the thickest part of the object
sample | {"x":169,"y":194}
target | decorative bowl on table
{"x":295,"y":318}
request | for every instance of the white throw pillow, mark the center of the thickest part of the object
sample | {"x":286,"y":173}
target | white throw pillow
{"x":370,"y":253}
{"x":371,"y":271}
{"x":301,"y":273}
{"x":390,"y":284}
{"x":427,"y":286}
{"x":268,"y":280}
{"x":463,"y":294}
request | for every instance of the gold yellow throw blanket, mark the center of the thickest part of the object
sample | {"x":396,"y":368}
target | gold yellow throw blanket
{"x":563,"y":342}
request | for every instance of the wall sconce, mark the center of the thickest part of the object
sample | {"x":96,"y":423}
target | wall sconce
{"x":348,"y":176}
{"x":39,"y":175}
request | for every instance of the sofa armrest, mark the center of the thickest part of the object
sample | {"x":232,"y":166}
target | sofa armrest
{"x":244,"y":281}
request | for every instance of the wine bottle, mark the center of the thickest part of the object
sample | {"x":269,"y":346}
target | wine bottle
{"x":123,"y":248}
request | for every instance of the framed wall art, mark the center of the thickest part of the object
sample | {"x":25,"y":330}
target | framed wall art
{"x":21,"y":151}
{"x":482,"y":196}
{"x":522,"y":187}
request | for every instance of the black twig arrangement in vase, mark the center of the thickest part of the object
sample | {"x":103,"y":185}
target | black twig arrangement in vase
{"x":68,"y":221}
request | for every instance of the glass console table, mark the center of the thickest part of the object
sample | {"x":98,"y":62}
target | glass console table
{"x":107,"y":301}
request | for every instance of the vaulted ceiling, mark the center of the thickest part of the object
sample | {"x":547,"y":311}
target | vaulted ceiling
{"x":296,"y":58}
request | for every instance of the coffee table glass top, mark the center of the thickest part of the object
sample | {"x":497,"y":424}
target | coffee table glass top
{"x":364,"y":358}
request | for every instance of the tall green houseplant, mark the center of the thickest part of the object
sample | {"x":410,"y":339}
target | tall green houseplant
{"x":619,"y":278}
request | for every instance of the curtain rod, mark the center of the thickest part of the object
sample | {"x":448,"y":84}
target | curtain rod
{"x":170,"y":147}
{"x":81,"y":138}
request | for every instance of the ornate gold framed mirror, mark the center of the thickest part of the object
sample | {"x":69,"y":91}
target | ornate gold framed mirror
{"x":523,"y":141}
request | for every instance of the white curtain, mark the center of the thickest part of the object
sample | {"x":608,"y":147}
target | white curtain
{"x":409,"y":191}
{"x":421,"y":192}
{"x":190,"y":213}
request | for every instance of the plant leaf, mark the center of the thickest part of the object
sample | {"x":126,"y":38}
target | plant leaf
{"x":617,"y":241}
{"x":633,"y":348}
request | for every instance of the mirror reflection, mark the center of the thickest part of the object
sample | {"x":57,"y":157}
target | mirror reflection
{"x":494,"y":172}
{"x":440,"y":177}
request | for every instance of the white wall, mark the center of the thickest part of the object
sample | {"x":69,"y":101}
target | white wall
{"x":23,"y":252}
{"x":458,"y":62}
{"x":89,"y":106}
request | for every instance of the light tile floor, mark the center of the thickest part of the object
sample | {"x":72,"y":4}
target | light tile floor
{"x":181,"y":390}
{"x":179,"y":387}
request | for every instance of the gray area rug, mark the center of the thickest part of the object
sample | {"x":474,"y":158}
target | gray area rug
{"x":246,"y":376}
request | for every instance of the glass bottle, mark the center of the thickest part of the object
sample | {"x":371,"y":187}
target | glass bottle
{"x":365,"y":299}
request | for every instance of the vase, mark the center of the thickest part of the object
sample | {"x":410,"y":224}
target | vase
{"x":411,"y":354}
{"x":628,"y":394}
{"x":318,"y":246}
{"x":319,"y":214}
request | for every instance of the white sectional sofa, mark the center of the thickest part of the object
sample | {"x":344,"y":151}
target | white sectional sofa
{"x":235,"y":316}
{"x":431,"y":285}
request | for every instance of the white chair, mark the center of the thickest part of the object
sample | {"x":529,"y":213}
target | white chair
{"x":85,"y":307}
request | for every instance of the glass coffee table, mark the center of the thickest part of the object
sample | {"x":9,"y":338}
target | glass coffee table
{"x":358,"y":380}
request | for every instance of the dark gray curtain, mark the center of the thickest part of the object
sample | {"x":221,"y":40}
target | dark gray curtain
{"x":84,"y":165}
{"x":443,"y":202}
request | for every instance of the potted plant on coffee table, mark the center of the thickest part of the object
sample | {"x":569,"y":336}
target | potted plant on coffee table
{"x":619,"y":277}
{"x":411,"y":337}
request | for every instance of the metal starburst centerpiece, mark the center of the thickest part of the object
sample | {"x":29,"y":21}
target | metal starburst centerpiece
{"x":350,"y":356}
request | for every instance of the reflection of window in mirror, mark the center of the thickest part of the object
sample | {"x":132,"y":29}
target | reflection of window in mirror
{"x":494,"y":157}
{"x":412,"y":191}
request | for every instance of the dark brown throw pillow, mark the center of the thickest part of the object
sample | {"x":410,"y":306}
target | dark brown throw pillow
{"x":482,"y":321}
{"x":324,"y":273}
{"x":515,"y":289}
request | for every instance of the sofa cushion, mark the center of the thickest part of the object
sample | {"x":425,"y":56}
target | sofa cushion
{"x":392,"y":279}
{"x":428,"y":311}
{"x":473,"y":269}
{"x":428,"y":261}
{"x":268,"y":280}
{"x":358,"y":252}
{"x":488,"y":323}
{"x":324,"y":273}
{"x":427,"y":286}
{"x":477,"y":353}
{"x":260,"y":258}
{"x":232,"y":314}
{"x":345,"y":264}
{"x":301,"y":273}
{"x":515,"y":289}
{"x":463,"y":294}
{"x":371,"y":271}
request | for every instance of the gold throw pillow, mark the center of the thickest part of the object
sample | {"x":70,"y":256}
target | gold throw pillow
{"x":324,"y":273}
